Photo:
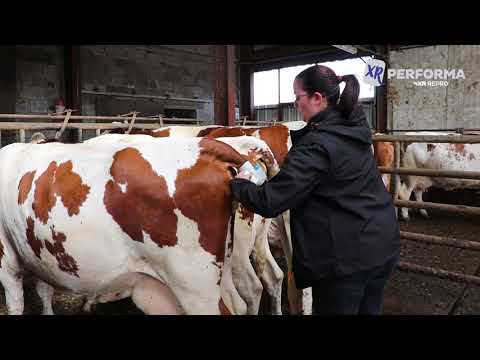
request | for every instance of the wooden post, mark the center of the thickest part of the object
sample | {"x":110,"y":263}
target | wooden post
{"x":396,"y":177}
{"x":231,"y":85}
{"x":246,"y":81}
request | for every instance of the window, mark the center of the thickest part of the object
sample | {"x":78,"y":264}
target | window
{"x":267,"y":86}
{"x":355,"y":67}
{"x":181,"y":113}
{"x":287,"y":75}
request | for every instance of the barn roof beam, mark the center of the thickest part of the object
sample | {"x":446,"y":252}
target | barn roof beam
{"x":292,"y":55}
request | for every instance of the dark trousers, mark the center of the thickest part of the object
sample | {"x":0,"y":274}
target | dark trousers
{"x":360,"y":293}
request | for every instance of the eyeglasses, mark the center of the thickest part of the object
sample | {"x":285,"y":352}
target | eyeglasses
{"x":297,"y":97}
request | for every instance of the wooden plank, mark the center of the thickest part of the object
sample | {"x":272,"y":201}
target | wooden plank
{"x":440,"y":240}
{"x":84,"y":126}
{"x":88,"y":117}
{"x":459,"y":139}
{"x":459,"y":209}
{"x":438,"y":273}
{"x":396,"y":178}
{"x":432,"y":173}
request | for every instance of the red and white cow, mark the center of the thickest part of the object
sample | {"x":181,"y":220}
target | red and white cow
{"x":384,"y":156}
{"x":437,"y":156}
{"x":250,"y":233}
{"x":186,"y":131}
{"x":277,"y":138}
{"x":132,"y":217}
{"x":254,"y":228}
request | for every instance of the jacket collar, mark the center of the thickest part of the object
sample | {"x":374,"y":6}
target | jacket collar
{"x":325,"y":116}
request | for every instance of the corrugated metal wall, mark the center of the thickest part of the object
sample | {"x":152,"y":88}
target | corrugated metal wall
{"x":266,"y":113}
{"x":269,"y":114}
{"x":290,"y":113}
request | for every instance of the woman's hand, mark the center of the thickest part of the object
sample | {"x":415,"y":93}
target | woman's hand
{"x":244,"y":175}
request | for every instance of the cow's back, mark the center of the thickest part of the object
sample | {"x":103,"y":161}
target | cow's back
{"x":82,"y":215}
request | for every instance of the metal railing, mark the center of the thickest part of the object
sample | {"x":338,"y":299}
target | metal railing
{"x":458,"y":209}
{"x":159,"y":121}
{"x":128,"y":121}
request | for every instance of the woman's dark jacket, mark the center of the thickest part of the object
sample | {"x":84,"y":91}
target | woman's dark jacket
{"x":342,"y":217}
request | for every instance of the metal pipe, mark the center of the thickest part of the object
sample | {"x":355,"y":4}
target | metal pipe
{"x":460,"y":139}
{"x":439,"y":273}
{"x":459,"y":209}
{"x":286,"y":57}
{"x":431,"y":173}
{"x":84,"y":126}
{"x":440,"y":240}
{"x":439,"y":130}
{"x":148,"y":97}
{"x":88,"y":117}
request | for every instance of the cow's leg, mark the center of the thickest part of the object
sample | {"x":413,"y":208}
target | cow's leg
{"x":13,"y":284}
{"x":244,"y":276}
{"x":246,"y":281}
{"x":405,"y":193}
{"x":228,"y":290}
{"x":45,"y":292}
{"x":418,"y":196}
{"x":271,"y":274}
{"x":386,"y":181}
{"x":88,"y":304}
{"x":282,"y":234}
{"x":307,"y":301}
{"x":295,"y":296}
{"x":11,"y":277}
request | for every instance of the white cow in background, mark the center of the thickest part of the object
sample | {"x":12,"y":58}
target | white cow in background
{"x":437,"y":156}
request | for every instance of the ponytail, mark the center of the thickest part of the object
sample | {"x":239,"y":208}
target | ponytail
{"x":349,"y":98}
{"x":322,"y":79}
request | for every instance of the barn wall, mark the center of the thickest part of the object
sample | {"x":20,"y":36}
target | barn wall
{"x":185,"y":71}
{"x":173,"y":70}
{"x":426,"y":107}
{"x":39,"y":82}
{"x":7,"y":82}
{"x":39,"y":77}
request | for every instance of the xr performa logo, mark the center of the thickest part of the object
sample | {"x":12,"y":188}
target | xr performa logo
{"x":374,"y":72}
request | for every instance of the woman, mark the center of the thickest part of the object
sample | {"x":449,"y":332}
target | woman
{"x":345,"y":235}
